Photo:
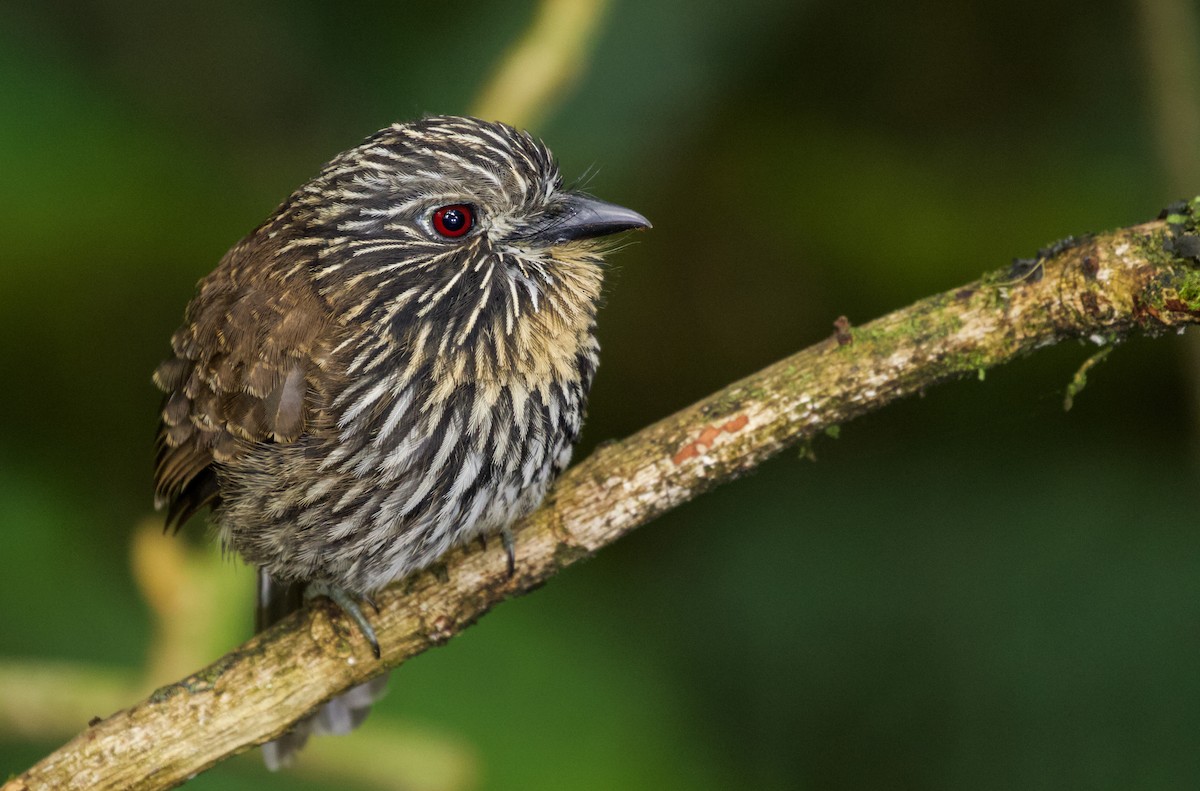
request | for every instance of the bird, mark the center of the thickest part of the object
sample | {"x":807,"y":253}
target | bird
{"x":396,"y":362}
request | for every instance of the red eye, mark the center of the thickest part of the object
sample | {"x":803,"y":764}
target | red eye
{"x":453,"y":221}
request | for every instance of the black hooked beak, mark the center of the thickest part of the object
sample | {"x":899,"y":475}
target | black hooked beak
{"x":585,"y":217}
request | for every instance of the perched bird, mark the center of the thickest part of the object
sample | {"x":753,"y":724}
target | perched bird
{"x":396,"y":362}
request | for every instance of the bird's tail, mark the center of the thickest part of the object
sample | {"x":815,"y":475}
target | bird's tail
{"x":277,"y":599}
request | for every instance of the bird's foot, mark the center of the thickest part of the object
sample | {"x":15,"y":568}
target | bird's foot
{"x":506,"y":538}
{"x":349,"y":606}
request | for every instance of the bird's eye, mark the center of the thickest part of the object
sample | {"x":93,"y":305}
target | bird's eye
{"x":453,"y":221}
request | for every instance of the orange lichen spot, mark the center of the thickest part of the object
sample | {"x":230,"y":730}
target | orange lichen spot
{"x":708,"y":436}
{"x":737,"y":424}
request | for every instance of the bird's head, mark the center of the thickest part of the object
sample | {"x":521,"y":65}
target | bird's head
{"x":455,"y":221}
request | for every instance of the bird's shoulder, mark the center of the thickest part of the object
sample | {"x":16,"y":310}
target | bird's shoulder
{"x":254,"y":362}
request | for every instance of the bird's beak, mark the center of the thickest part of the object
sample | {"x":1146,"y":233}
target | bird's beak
{"x":585,"y":217}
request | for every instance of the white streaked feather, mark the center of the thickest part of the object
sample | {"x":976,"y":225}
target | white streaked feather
{"x":368,"y":398}
{"x":467,"y":473}
{"x":399,"y":407}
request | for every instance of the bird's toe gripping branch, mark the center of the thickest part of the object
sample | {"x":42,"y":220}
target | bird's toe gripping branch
{"x":349,"y":606}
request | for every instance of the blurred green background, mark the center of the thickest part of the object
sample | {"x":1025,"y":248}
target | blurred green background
{"x":969,"y":590}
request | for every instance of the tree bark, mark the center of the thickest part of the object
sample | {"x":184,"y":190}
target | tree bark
{"x":1140,"y":279}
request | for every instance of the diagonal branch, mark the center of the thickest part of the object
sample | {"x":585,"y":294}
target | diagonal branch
{"x":540,"y":67}
{"x":1143,"y":278}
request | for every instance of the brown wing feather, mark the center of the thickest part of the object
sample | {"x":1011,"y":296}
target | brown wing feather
{"x":249,"y":367}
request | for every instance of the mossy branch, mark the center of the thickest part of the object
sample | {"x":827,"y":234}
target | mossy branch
{"x":1140,"y":279}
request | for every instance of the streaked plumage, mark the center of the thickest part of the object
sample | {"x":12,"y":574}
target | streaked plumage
{"x":354,"y":392}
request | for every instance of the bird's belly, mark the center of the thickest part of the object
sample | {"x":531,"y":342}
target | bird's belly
{"x":416,"y":544}
{"x":381,"y":508}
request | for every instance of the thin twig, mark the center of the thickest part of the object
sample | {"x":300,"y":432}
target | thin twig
{"x":1080,"y":379}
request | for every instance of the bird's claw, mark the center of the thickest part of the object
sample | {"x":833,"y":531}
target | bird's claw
{"x":506,"y":538}
{"x":349,"y":606}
